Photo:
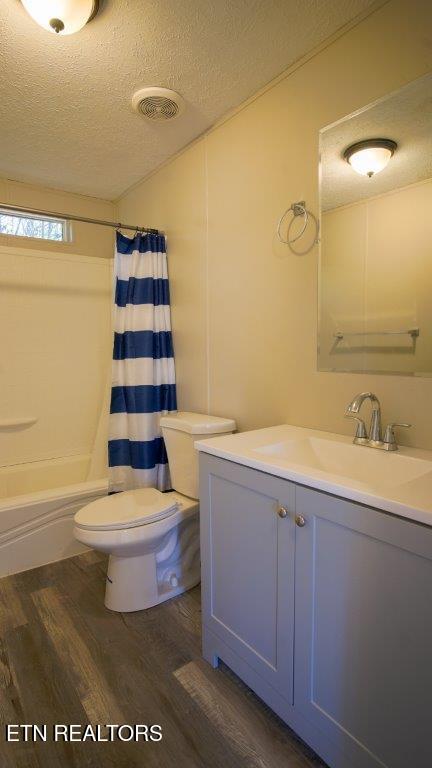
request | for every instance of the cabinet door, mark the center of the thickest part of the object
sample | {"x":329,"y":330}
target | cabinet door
{"x":363,"y":638}
{"x":247,"y":554}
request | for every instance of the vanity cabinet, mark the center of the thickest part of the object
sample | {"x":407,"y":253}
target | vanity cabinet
{"x":248,"y":556}
{"x":329,"y":621}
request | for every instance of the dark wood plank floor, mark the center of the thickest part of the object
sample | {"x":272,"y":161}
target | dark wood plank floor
{"x":65,"y":659}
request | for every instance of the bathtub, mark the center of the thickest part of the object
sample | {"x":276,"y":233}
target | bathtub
{"x":37,"y":504}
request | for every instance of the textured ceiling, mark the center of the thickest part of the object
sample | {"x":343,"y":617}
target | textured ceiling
{"x":66,"y":119}
{"x":405,"y":117}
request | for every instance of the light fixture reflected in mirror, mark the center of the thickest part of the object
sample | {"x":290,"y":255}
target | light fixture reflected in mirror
{"x":371,"y":156}
{"x":63,"y":17}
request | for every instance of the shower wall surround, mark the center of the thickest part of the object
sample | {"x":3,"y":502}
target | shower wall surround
{"x":244,"y":308}
{"x":55,"y":320}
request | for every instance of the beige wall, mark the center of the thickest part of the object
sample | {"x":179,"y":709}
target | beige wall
{"x":244,"y":307}
{"x":175,"y":201}
{"x":376,"y":275}
{"x":88,"y":240}
{"x":56,"y":331}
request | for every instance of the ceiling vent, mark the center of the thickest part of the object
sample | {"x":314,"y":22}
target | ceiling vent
{"x":158,"y":104}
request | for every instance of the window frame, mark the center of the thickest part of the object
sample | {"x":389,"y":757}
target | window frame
{"x":66,"y":227}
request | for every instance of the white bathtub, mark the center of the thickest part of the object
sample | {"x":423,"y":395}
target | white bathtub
{"x":36,"y":524}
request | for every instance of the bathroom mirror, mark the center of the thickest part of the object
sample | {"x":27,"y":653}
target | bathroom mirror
{"x":375,"y":275}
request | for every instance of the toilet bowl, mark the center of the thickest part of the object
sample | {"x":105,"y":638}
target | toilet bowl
{"x":152,"y":538}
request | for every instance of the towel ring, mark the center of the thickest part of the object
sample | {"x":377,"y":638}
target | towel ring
{"x":297,"y":209}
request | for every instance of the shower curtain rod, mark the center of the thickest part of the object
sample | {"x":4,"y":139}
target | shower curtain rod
{"x":71,"y":217}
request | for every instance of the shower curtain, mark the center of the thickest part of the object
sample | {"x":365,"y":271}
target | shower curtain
{"x":143,"y":378}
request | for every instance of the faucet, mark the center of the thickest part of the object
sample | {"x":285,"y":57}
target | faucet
{"x":375,"y":425}
{"x":374,"y":439}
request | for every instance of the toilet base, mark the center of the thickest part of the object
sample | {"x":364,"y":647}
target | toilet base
{"x":132,"y":584}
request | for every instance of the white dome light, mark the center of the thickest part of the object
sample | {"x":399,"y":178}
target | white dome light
{"x":62,"y":17}
{"x":371,"y":156}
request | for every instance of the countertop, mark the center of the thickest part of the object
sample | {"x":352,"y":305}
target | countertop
{"x":401,"y":481}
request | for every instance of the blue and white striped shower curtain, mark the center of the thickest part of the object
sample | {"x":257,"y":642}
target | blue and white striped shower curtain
{"x":143,"y":379}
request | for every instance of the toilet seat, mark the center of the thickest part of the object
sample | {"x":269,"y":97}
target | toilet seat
{"x":128,"y":509}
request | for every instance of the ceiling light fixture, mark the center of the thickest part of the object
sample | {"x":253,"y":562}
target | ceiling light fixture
{"x":371,"y":156}
{"x":63,"y":17}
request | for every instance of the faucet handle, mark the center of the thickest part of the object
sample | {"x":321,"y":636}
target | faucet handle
{"x":389,"y":436}
{"x":361,"y":432}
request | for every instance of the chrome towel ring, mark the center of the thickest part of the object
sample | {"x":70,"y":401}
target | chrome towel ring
{"x":298,"y":209}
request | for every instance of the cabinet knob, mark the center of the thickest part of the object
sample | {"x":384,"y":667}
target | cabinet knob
{"x":300,"y":521}
{"x":282,"y":511}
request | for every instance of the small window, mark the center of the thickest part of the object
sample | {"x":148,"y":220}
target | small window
{"x":41,"y":228}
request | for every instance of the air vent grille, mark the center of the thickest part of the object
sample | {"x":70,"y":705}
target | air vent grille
{"x":158,"y":104}
{"x":158,"y":108}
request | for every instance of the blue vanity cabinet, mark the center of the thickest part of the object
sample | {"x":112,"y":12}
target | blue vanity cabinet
{"x":247,"y":551}
{"x":326,"y":613}
{"x":363,"y":630}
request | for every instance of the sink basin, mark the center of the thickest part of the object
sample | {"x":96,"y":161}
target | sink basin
{"x":365,"y":466}
{"x":398,"y":482}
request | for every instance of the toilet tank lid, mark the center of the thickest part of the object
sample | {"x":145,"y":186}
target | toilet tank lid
{"x":197,"y":423}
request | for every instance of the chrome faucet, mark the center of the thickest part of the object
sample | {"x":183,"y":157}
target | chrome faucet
{"x":374,"y":438}
{"x":375,"y":425}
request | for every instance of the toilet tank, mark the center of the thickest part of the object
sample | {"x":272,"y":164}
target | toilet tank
{"x":180,"y":431}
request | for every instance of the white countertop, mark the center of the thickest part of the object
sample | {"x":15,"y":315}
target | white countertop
{"x":399,"y":482}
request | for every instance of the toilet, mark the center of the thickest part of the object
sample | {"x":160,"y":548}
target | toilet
{"x":152,"y":538}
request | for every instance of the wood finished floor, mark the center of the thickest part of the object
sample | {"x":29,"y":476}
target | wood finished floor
{"x":65,"y":659}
